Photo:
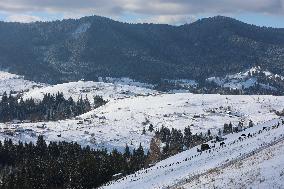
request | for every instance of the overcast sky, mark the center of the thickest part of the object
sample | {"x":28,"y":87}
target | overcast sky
{"x":259,"y":12}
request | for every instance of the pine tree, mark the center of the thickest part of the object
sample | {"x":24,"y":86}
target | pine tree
{"x":176,"y":141}
{"x":127,"y":153}
{"x":187,"y":137}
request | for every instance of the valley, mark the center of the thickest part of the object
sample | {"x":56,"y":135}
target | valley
{"x":131,"y":109}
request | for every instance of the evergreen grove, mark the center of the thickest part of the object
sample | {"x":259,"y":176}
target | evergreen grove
{"x":166,"y":142}
{"x":51,"y":107}
{"x":63,"y":165}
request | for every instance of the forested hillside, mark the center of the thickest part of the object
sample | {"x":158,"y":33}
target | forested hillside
{"x":95,"y":46}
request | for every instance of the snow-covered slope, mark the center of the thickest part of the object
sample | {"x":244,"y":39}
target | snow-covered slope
{"x":11,"y":82}
{"x":90,"y":88}
{"x":190,"y":165}
{"x":262,"y":170}
{"x":71,"y":130}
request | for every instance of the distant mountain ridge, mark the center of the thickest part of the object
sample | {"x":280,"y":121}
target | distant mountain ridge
{"x":91,"y":47}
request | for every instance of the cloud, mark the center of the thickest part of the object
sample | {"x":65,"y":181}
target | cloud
{"x":160,"y":10}
{"x":168,"y":19}
{"x":22,"y":18}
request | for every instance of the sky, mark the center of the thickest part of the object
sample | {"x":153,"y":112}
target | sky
{"x":176,"y":12}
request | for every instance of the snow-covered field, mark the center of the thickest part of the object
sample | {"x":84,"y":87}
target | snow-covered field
{"x":186,"y":166}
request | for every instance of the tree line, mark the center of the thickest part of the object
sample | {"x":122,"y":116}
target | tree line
{"x":174,"y":141}
{"x":51,"y":107}
{"x":63,"y":165}
{"x":168,"y":142}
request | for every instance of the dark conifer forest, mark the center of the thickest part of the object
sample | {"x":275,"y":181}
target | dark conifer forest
{"x":51,"y":107}
{"x":62,"y":165}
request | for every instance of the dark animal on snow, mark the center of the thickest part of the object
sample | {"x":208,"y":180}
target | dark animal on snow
{"x":205,"y":147}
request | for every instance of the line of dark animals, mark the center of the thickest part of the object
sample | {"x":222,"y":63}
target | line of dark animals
{"x":204,"y":147}
{"x":243,"y":136}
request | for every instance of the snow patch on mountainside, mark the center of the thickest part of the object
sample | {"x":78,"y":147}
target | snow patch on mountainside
{"x":244,"y":80}
{"x":184,"y":83}
{"x":125,"y":81}
{"x":82,"y":28}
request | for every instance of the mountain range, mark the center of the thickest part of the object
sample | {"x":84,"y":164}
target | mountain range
{"x":92,"y":47}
